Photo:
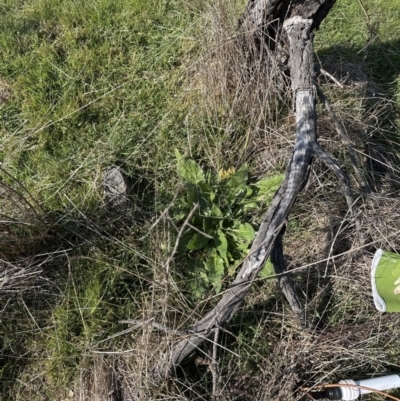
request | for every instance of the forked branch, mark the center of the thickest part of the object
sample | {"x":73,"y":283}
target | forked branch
{"x":302,"y":18}
{"x":270,"y":233}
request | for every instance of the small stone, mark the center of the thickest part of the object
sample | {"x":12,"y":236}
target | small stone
{"x":115,"y":189}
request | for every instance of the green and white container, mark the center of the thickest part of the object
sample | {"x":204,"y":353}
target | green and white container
{"x":385,"y":280}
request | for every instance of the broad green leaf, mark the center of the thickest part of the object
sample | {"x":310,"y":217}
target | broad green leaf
{"x":200,"y":285}
{"x":268,"y":186}
{"x":181,"y":210}
{"x":267,"y":270}
{"x":192,"y":194}
{"x":249,"y":205}
{"x":215,"y":210}
{"x":204,"y":209}
{"x":178,"y":155}
{"x":239,"y":178}
{"x":244,"y":231}
{"x":236,"y":198}
{"x":198,"y":241}
{"x":237,"y":250}
{"x":207,"y":191}
{"x":237,"y":184}
{"x":197,"y":278}
{"x":190,"y":171}
{"x":221,"y":244}
{"x":197,"y":220}
{"x":208,"y":225}
{"x":184,"y":241}
{"x":242,"y":247}
{"x":216,"y":269}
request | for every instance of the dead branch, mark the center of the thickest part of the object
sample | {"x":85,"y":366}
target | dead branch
{"x":301,"y":64}
{"x":299,"y":19}
{"x":277,"y":259}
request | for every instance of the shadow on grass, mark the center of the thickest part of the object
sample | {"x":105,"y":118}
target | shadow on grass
{"x":67,"y":278}
{"x":377,"y":65}
{"x":380,"y":60}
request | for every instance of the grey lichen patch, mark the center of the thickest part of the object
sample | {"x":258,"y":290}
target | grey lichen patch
{"x":115,"y":189}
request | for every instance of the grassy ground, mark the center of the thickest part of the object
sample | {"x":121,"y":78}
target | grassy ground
{"x":95,"y":84}
{"x":92,"y":85}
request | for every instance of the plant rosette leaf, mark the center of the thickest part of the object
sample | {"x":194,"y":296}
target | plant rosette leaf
{"x":198,"y":241}
{"x":248,"y":206}
{"x":189,"y":170}
{"x":267,"y":187}
{"x":216,"y":211}
{"x":207,"y":192}
{"x":243,"y":231}
{"x":184,"y":241}
{"x":236,"y":186}
{"x":200,"y":285}
{"x":221,"y":245}
{"x":192,"y":195}
{"x":215,"y":268}
{"x":224,"y":199}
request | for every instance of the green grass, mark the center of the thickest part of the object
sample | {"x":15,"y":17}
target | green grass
{"x":369,"y":36}
{"x":105,"y":83}
{"x":349,"y":35}
{"x":93,"y":85}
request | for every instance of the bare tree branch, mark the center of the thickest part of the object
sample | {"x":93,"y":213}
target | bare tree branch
{"x":301,"y":63}
{"x":298,"y":19}
{"x":285,"y":283}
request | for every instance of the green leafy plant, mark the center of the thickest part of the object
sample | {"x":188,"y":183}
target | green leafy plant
{"x":219,"y":231}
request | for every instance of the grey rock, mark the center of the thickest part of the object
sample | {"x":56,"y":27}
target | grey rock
{"x":115,"y":189}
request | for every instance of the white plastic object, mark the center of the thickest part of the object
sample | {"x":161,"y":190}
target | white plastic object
{"x":380,"y":304}
{"x":377,"y":383}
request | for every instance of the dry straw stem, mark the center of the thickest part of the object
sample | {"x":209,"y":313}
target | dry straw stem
{"x":5,"y":91}
{"x":100,"y":382}
{"x":22,"y":234}
{"x":180,"y":233}
{"x":236,"y":92}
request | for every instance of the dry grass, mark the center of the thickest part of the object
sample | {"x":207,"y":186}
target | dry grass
{"x":23,"y":233}
{"x":240,"y":91}
{"x":5,"y":91}
{"x":347,"y":337}
{"x":263,"y":354}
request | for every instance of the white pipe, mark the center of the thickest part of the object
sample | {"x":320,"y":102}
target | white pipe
{"x":377,"y":383}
